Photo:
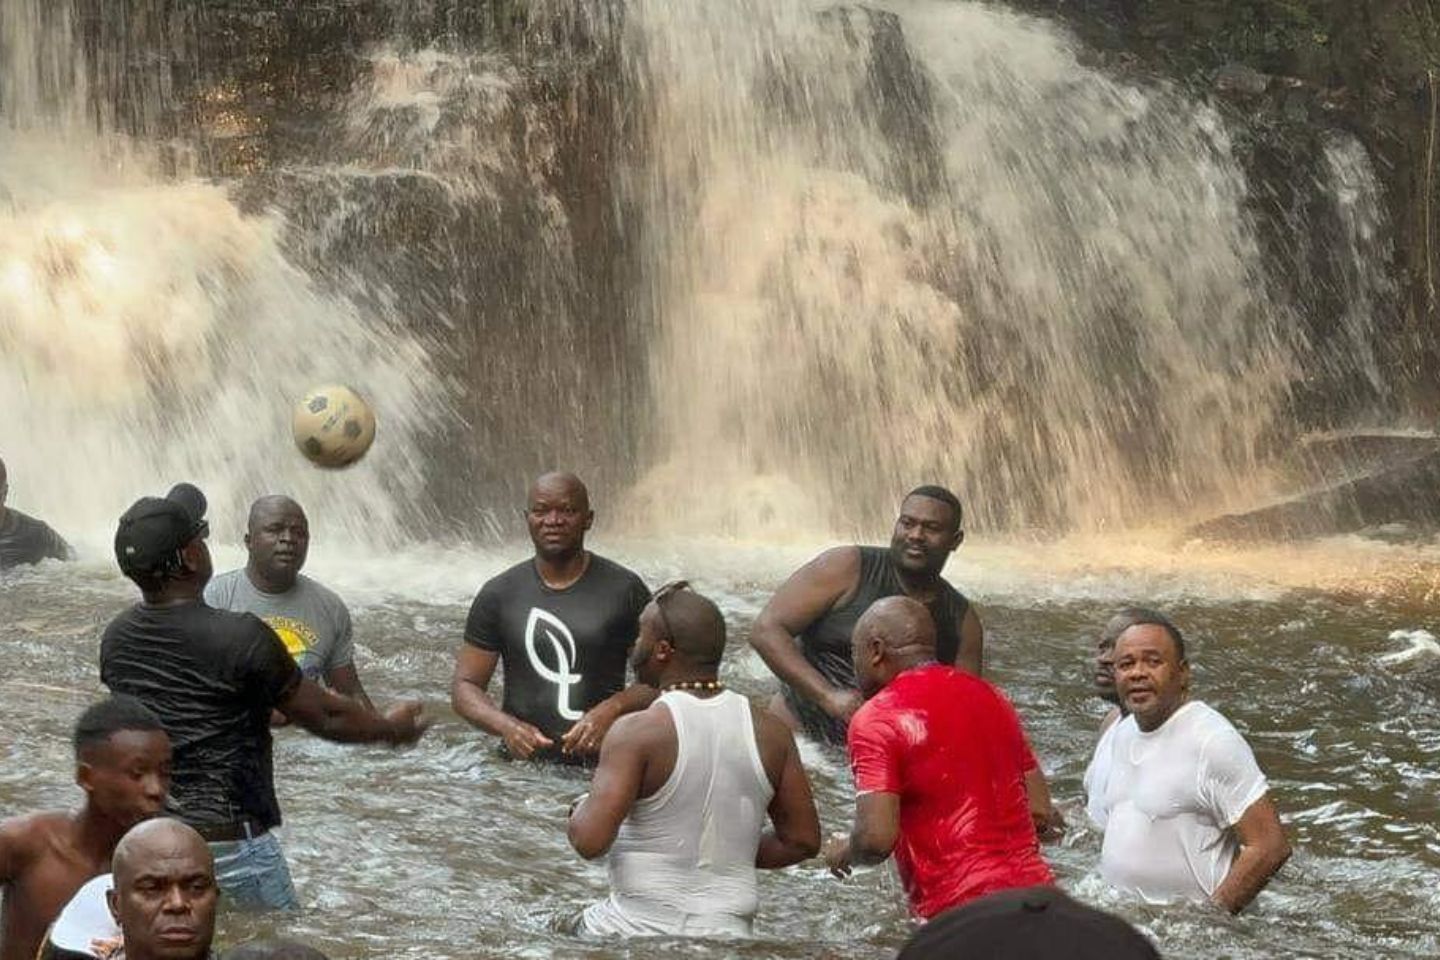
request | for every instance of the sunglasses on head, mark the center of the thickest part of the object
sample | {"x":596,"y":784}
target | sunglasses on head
{"x":665,"y":593}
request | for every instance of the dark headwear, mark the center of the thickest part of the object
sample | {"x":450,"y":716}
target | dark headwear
{"x":1035,"y":923}
{"x":154,"y":529}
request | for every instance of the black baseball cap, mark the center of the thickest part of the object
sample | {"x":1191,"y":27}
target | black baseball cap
{"x":1033,"y":923}
{"x":154,"y":529}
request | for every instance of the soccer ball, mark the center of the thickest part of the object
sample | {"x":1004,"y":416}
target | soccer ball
{"x":333,"y":426}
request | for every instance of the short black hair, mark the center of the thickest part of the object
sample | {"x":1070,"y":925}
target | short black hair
{"x":1144,"y":616}
{"x":110,"y":716}
{"x":273,"y":950}
{"x":936,"y":492}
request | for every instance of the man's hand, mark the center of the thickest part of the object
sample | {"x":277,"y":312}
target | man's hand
{"x":523,"y":739}
{"x":585,"y":736}
{"x":837,"y":854}
{"x":842,"y":704}
{"x":408,"y":721}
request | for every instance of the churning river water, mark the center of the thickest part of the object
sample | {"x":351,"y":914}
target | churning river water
{"x":445,"y":851}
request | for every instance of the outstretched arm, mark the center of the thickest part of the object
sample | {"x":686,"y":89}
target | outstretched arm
{"x":809,"y":593}
{"x":334,"y":717}
{"x":794,"y":834}
{"x":1263,"y":851}
{"x":596,"y":819}
{"x":469,"y":695}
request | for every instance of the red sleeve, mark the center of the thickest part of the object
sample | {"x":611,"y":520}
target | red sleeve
{"x":874,"y":753}
{"x":1015,"y":731}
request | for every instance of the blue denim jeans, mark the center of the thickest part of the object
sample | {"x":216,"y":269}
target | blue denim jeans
{"x":253,"y":874}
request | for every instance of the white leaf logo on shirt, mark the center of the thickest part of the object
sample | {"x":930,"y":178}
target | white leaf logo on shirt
{"x":562,"y":644}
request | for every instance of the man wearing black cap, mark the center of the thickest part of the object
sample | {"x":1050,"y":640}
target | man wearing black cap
{"x":213,"y":677}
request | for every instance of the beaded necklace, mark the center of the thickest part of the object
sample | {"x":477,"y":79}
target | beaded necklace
{"x":708,"y":686}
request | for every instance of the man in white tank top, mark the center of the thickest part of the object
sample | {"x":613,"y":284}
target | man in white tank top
{"x":683,"y":790}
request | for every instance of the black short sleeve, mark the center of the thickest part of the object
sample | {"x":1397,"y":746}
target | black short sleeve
{"x":482,"y":626}
{"x":270,"y":673}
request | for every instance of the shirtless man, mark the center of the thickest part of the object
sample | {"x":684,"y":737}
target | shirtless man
{"x":23,"y":539}
{"x":123,"y":764}
{"x":803,"y":634}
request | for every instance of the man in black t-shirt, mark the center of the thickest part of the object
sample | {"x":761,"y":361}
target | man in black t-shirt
{"x":23,"y":539}
{"x":213,"y":677}
{"x":562,"y":623}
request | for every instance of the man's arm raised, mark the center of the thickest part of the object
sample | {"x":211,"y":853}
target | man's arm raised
{"x":596,"y":819}
{"x":794,"y":834}
{"x":1263,"y":851}
{"x":469,"y":695}
{"x":810,"y":592}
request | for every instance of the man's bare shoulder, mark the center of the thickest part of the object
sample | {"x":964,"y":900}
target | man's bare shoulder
{"x":24,"y":835}
{"x":644,"y":727}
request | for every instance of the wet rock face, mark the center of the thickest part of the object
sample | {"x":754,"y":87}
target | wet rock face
{"x":1286,"y":73}
{"x":1387,"y":487}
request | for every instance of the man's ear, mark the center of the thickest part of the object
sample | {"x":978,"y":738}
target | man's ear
{"x":84,"y":776}
{"x":112,"y":900}
{"x":246,"y":539}
{"x":589,"y":519}
{"x":959,"y":539}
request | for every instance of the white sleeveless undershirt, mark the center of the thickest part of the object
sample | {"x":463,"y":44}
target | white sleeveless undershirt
{"x":683,"y":862}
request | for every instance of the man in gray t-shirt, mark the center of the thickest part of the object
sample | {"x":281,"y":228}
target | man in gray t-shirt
{"x":309,"y":617}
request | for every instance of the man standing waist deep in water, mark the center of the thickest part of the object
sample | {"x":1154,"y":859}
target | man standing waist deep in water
{"x":562,"y":623}
{"x":822,"y":601}
{"x":214,"y":677}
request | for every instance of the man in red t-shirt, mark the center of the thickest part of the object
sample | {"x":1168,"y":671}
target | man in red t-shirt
{"x":940,"y":768}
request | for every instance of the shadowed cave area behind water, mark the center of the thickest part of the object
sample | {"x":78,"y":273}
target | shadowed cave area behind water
{"x":752,"y":268}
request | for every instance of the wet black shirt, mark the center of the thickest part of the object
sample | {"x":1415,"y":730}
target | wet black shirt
{"x":23,"y":539}
{"x":826,"y":644}
{"x":563,"y":651}
{"x":213,"y":677}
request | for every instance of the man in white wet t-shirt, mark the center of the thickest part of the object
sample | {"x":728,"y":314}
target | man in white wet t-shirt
{"x":1187,"y":811}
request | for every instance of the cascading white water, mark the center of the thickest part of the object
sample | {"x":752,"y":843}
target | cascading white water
{"x":150,"y":332}
{"x":920,"y":241}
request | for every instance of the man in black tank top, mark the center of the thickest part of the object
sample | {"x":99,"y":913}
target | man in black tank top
{"x":820,"y":603}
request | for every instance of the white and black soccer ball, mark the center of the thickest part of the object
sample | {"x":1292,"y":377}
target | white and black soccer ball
{"x":333,"y":426}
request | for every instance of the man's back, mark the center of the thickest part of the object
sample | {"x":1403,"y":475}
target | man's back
{"x":212,"y":677}
{"x":684,"y":859}
{"x":950,"y":746}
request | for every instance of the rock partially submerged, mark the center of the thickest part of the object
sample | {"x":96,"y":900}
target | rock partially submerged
{"x":1385,"y":484}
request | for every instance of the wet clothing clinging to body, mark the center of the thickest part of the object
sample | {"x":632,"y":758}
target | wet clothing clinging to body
{"x":25,"y":540}
{"x":825,"y":644}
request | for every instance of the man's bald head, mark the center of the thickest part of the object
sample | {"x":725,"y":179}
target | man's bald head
{"x":154,"y":839}
{"x":164,"y":892}
{"x":893,"y":634}
{"x":271,"y":505}
{"x":557,"y":511}
{"x":562,"y":483}
{"x":697,"y":628}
